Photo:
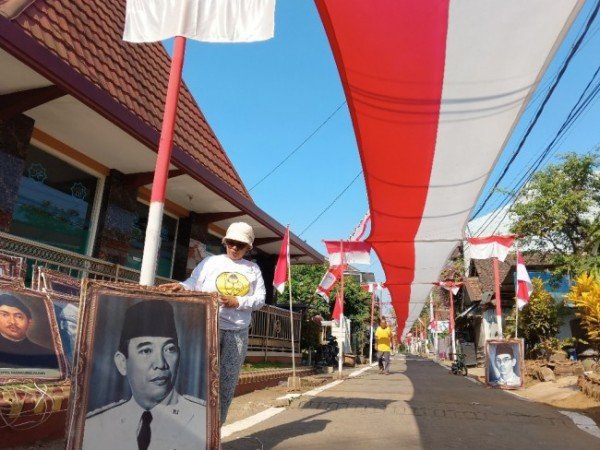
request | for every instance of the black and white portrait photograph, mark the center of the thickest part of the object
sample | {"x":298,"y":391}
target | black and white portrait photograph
{"x":504,"y":363}
{"x":148,"y":370}
{"x":29,"y":340}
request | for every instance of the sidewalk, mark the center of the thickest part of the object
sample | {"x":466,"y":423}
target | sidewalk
{"x":419,"y":406}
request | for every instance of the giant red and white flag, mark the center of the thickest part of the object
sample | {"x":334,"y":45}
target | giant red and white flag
{"x":524,"y":284}
{"x":490,"y":247}
{"x":348,"y":252}
{"x":202,"y":20}
{"x":283,"y":263}
{"x":329,"y":280}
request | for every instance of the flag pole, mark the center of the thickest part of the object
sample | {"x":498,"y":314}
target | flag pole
{"x":431,"y":320}
{"x":291,"y":312}
{"x":342,"y":320}
{"x":517,"y":294}
{"x":161,"y":171}
{"x":498,"y":298}
{"x":452,"y":331}
{"x":371,"y":333}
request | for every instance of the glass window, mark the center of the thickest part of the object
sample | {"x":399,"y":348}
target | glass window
{"x":167,"y":244}
{"x":54,"y":202}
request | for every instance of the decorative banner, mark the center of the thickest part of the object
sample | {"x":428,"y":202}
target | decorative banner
{"x":361,"y":229}
{"x":348,"y":252}
{"x":331,"y":277}
{"x":490,"y":247}
{"x":202,"y":20}
{"x":283,"y":263}
{"x":524,"y":284}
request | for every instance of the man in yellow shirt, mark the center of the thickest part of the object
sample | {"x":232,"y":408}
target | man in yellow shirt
{"x":383,"y":337}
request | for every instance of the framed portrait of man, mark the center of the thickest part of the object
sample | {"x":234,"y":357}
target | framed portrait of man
{"x":147,"y":370}
{"x":504,"y":363}
{"x":30,"y":345}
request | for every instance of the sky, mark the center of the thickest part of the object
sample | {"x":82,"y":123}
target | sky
{"x":263,"y":100}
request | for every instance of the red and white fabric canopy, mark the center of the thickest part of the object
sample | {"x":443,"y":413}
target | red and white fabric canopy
{"x":434,"y":90}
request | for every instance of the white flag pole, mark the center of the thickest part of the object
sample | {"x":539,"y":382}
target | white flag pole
{"x":371,"y":333}
{"x":291,"y":311}
{"x":517,"y":293}
{"x":342,"y":320}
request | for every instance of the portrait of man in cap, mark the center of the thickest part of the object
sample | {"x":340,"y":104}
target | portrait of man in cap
{"x":156,"y":415}
{"x":503,"y":369}
{"x":17,"y":350}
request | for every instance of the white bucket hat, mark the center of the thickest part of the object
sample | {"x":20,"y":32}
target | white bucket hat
{"x":241,"y":232}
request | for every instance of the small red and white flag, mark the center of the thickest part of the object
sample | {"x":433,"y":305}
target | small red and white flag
{"x":338,"y":307}
{"x":449,"y":285}
{"x":369,"y":287}
{"x":524,"y":284}
{"x":348,"y":252}
{"x":331,"y":277}
{"x":361,"y":229}
{"x":283,"y":263}
{"x":490,"y":247}
{"x":202,"y":20}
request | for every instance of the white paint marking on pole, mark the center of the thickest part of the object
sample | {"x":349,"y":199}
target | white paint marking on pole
{"x":248,"y":422}
{"x":151,"y":244}
{"x":323,"y":388}
{"x":583,"y":422}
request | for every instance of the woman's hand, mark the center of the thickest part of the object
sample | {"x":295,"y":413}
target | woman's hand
{"x":229,"y":301}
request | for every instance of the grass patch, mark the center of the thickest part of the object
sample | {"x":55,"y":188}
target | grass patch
{"x":265,"y":365}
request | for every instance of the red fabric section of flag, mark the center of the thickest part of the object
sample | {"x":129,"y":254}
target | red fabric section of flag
{"x":391,"y":57}
{"x":281,"y":269}
{"x":338,"y":307}
{"x":329,"y":280}
{"x":506,"y":241}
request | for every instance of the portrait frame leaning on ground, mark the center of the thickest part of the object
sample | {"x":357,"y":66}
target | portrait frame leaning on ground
{"x":146,"y":369}
{"x":30,"y":345}
{"x":504,"y":363}
{"x":64,"y":292}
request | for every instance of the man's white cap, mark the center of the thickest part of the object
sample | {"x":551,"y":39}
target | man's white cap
{"x":241,"y":232}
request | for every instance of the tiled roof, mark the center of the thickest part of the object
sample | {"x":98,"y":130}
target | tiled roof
{"x":473,"y":288}
{"x":87,"y":35}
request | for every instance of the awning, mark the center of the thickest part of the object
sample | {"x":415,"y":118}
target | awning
{"x":434,"y":90}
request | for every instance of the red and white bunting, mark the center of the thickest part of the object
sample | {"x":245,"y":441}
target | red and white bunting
{"x":490,"y":247}
{"x":338,"y":307}
{"x":348,"y":252}
{"x":449,"y":286}
{"x":524,"y":284}
{"x":331,"y":277}
{"x":283,"y":263}
{"x":361,"y":229}
{"x":202,"y":20}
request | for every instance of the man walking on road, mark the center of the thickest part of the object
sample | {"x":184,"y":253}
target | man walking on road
{"x":383,"y":337}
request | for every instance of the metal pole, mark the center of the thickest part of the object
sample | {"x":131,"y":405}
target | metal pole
{"x":517,"y":295}
{"x":371,"y":333}
{"x":291,"y":315}
{"x":161,"y":172}
{"x":342,"y":320}
{"x":453,"y":333}
{"x":498,"y":298}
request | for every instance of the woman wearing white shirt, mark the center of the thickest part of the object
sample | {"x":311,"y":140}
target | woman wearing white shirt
{"x":242,"y":290}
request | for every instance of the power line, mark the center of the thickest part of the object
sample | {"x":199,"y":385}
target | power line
{"x":541,"y":108}
{"x":289,"y":155}
{"x":332,"y":203}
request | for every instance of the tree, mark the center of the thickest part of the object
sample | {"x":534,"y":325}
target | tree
{"x":540,"y":319}
{"x":585,"y":295}
{"x":560,"y":210}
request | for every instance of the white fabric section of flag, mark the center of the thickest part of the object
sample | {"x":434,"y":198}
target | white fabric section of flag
{"x":361,"y":229}
{"x":202,"y":20}
{"x":354,"y":252}
{"x":283,"y":263}
{"x":449,"y":287}
{"x":490,"y":247}
{"x":328,"y":281}
{"x":472,"y":133}
{"x":524,"y":284}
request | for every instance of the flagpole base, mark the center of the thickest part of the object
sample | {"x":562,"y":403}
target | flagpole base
{"x":294,"y":383}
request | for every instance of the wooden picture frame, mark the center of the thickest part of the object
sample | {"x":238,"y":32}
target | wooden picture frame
{"x":120,"y":324}
{"x":31,"y":327}
{"x":59,"y":283}
{"x":512,"y":365}
{"x":12,"y":268}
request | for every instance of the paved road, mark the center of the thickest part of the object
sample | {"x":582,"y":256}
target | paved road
{"x":419,"y":406}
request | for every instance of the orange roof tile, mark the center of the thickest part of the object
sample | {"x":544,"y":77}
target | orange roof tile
{"x":88,"y":37}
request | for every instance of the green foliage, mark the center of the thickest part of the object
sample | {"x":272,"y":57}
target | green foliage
{"x":540,"y":319}
{"x":561,"y":208}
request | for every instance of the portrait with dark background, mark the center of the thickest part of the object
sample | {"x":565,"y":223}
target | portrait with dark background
{"x":110,"y":386}
{"x":492,"y":375}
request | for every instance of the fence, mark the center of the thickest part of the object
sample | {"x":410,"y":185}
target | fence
{"x":270,"y":330}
